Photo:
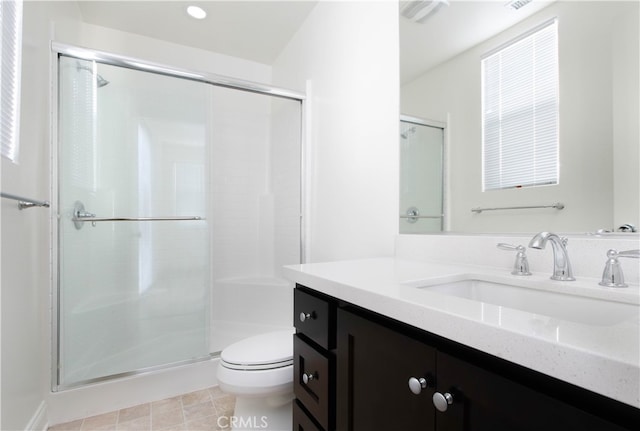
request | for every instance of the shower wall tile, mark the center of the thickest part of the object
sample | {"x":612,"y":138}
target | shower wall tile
{"x":239,"y":154}
{"x":255,"y":194}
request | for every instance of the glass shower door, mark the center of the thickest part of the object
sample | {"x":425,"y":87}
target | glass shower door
{"x":133,"y":258}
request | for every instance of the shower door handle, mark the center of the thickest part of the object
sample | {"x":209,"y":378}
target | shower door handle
{"x":93,"y":218}
{"x":80,"y":216}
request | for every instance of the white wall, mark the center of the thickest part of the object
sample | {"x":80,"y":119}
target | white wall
{"x":348,"y":53}
{"x":451,"y":92}
{"x":26,"y":237}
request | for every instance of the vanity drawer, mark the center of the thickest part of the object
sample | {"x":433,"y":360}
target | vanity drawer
{"x":315,"y":318}
{"x":313,"y":377}
{"x":302,"y":421}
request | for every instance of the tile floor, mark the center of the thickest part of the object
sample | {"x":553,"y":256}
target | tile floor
{"x":195,"y":411}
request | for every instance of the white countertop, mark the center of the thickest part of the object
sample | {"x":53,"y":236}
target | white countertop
{"x":603,"y":357}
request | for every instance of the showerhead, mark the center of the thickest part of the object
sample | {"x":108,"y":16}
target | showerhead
{"x":407,"y":132}
{"x":100,"y":81}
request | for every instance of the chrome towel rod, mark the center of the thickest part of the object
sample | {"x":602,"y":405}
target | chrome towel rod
{"x":557,"y":205}
{"x":24,"y":203}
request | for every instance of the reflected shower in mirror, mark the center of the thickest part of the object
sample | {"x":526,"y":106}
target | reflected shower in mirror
{"x":598,"y":114}
{"x":421,"y":180}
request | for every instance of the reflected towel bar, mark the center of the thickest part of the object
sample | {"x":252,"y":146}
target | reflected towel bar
{"x":557,"y":205}
{"x":413,"y":214}
{"x":24,"y":203}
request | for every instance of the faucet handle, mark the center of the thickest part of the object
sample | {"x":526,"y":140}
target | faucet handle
{"x":612,"y":276}
{"x":626,"y":253}
{"x":505,"y":246}
{"x":521,"y":265}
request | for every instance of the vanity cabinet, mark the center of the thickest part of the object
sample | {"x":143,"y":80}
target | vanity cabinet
{"x":387,"y":373}
{"x":377,"y":359}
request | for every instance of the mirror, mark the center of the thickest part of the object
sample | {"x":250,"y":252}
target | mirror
{"x":599,"y":142}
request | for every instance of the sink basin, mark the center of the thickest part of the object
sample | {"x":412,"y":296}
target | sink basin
{"x":574,"y":308}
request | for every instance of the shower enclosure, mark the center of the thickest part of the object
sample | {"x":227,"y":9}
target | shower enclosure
{"x":421,"y":175}
{"x":178,"y":202}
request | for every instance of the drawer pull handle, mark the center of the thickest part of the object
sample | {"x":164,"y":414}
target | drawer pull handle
{"x":442,"y":402}
{"x":417,"y":385}
{"x":307,"y":316}
{"x":306,"y":378}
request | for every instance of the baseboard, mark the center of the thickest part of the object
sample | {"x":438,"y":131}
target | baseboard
{"x":39,"y":421}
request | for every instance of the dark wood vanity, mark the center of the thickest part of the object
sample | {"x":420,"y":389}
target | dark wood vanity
{"x":356,"y":370}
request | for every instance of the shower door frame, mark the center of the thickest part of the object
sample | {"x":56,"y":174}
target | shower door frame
{"x":81,"y":53}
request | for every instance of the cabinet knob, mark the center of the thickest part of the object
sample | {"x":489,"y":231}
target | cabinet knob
{"x":306,"y":378}
{"x":442,"y":402}
{"x":307,"y":316}
{"x":417,"y":385}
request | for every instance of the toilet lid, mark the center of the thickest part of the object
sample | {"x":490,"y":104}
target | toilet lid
{"x":265,"y":351}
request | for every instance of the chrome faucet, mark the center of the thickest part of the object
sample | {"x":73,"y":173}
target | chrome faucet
{"x":561,"y":265}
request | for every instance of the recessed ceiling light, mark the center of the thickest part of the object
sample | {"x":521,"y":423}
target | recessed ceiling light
{"x":196,"y":12}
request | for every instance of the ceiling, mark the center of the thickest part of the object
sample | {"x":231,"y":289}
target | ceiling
{"x":260,"y":30}
{"x":253,"y":30}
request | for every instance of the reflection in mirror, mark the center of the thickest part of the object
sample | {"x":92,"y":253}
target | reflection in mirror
{"x":421,"y":179}
{"x":599,"y":134}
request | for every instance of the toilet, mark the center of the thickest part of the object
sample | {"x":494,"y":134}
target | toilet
{"x":259,"y":372}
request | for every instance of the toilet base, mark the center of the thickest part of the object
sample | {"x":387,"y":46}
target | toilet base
{"x":263,"y":413}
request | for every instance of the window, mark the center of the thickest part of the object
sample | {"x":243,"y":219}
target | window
{"x":520,"y":111}
{"x":10,"y":50}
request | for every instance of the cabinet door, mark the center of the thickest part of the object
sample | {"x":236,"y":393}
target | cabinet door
{"x":374,"y":367}
{"x":484,"y":400}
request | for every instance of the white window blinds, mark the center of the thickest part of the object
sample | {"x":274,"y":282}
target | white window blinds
{"x":11,"y":50}
{"x":520,"y":112}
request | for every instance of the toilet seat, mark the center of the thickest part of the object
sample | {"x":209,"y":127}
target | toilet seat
{"x":261,"y":352}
